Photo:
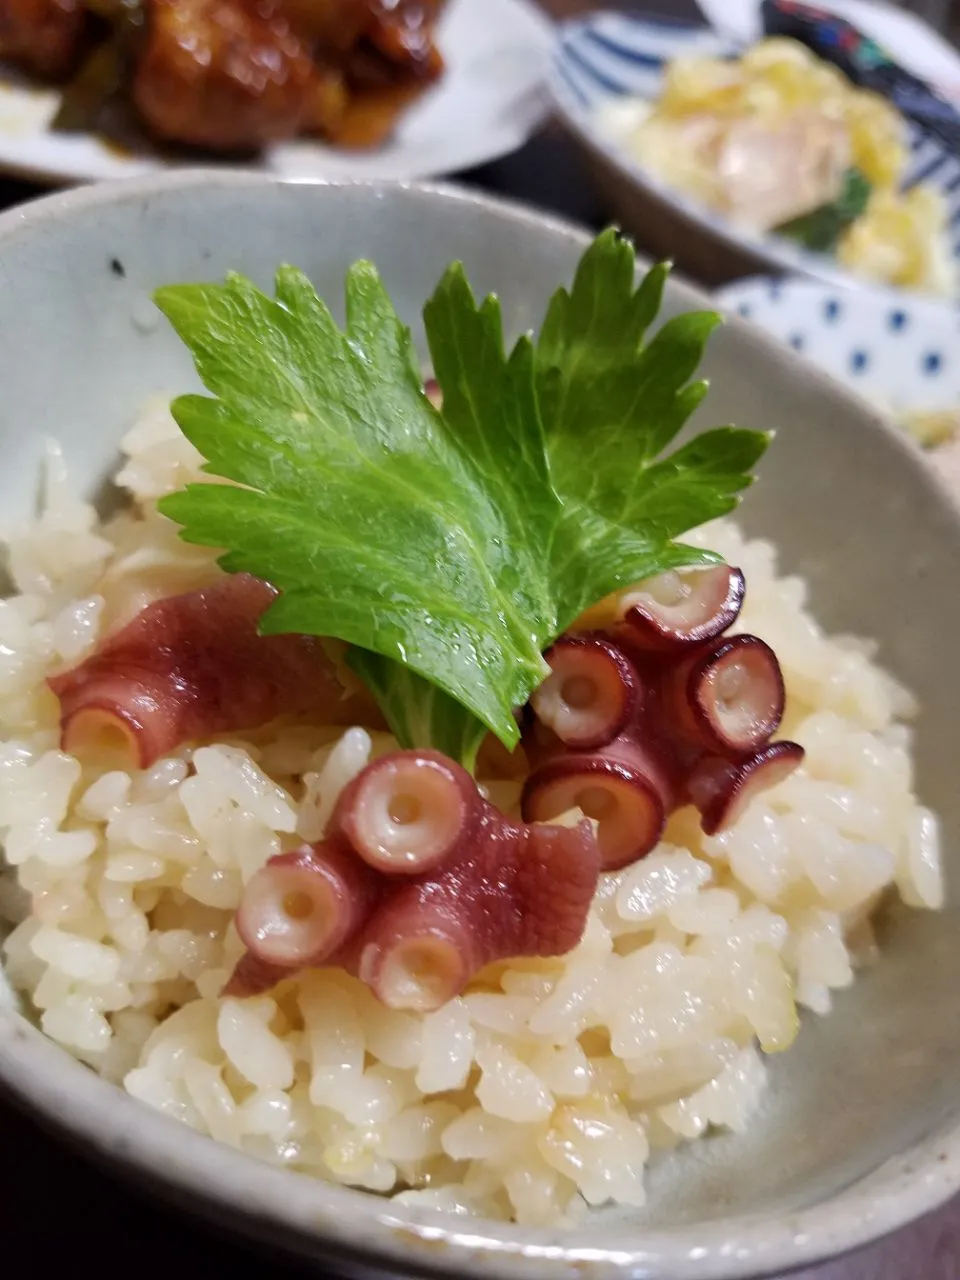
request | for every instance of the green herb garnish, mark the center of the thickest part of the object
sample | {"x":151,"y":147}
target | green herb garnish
{"x":821,"y":230}
{"x":449,"y":548}
{"x":610,"y":404}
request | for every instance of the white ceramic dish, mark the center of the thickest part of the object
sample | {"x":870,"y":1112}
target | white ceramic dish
{"x":860,"y":1131}
{"x":490,"y":101}
{"x":605,"y":59}
{"x":898,"y":351}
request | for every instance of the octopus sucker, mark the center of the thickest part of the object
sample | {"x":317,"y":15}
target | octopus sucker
{"x":407,"y":812}
{"x":730,"y":697}
{"x":722,"y":789}
{"x":620,"y":788}
{"x":301,"y":907}
{"x":680,"y":608}
{"x":504,"y":889}
{"x":592,"y":691}
{"x":417,"y":955}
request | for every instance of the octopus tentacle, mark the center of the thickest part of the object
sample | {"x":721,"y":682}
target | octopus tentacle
{"x":493,"y":889}
{"x":592,"y":692}
{"x":408,"y":811}
{"x":678,"y":609}
{"x":698,"y":729}
{"x":519,"y":891}
{"x":628,"y":788}
{"x":301,"y":907}
{"x":192,"y":666}
{"x":721,"y":789}
{"x":417,"y":954}
{"x":728,"y":699}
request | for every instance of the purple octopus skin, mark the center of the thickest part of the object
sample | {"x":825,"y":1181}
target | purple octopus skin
{"x":710,"y":604}
{"x":417,"y":930}
{"x":519,"y":891}
{"x":701,"y":718}
{"x":592,"y":693}
{"x":721,"y":789}
{"x":191,"y":666}
{"x":728,"y":698}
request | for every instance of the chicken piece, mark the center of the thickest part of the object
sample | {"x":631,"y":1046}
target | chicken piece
{"x":44,"y":37}
{"x":772,"y":172}
{"x":401,"y":29}
{"x":759,"y":173}
{"x":227,"y":75}
{"x":682,"y":151}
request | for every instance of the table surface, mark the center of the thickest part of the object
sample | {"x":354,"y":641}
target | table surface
{"x":55,"y":1206}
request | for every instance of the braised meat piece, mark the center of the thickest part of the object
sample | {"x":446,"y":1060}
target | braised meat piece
{"x":231,"y":75}
{"x":403,"y":32}
{"x":44,"y":37}
{"x":333,"y":26}
{"x":223,"y":75}
{"x":388,"y":69}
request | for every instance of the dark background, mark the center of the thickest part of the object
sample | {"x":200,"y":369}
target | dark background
{"x":57,"y":1212}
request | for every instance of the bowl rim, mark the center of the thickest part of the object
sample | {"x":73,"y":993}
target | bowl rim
{"x":364,"y":1230}
{"x":772,"y":252}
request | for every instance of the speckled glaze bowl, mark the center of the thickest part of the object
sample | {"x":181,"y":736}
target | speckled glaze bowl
{"x":861,"y":1126}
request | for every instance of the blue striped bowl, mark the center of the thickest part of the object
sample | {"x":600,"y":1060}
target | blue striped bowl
{"x":608,"y":58}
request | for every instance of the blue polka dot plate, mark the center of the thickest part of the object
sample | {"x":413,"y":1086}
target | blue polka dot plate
{"x":601,"y":63}
{"x":901,"y":352}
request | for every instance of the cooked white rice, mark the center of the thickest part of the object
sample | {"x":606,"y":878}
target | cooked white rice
{"x":548,"y":1084}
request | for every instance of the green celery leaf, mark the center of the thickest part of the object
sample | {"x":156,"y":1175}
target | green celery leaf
{"x":359,"y":505}
{"x":419,"y":713}
{"x":561,"y":557}
{"x":590,"y":558}
{"x":448,"y":548}
{"x":612,"y":402}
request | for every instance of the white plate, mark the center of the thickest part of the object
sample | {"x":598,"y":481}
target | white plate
{"x":488,"y":103}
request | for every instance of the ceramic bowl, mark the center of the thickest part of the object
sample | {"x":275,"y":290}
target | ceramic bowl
{"x":861,"y":1126}
{"x":603,"y":61}
{"x":901,"y":352}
